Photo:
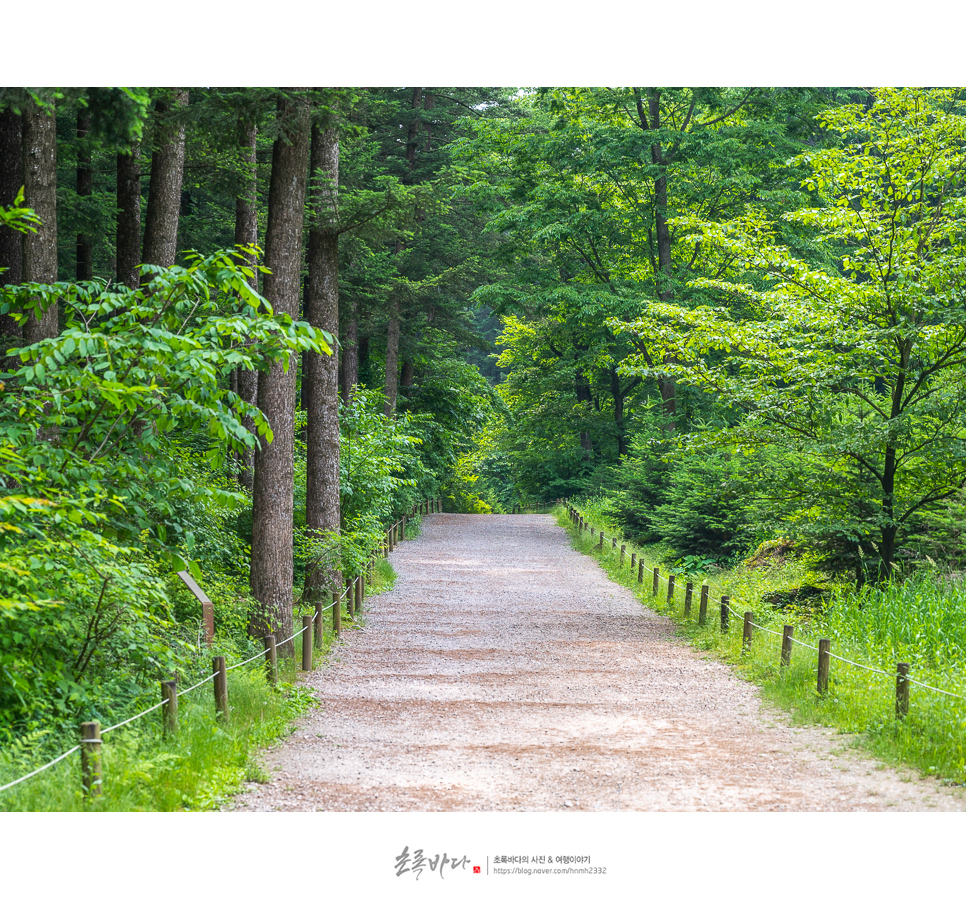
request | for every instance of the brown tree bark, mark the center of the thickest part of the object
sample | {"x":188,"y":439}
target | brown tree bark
{"x":583,"y":393}
{"x":40,"y":193}
{"x":246,"y":234}
{"x":620,"y":395}
{"x":164,"y":190}
{"x":321,"y":372}
{"x":391,"y":389}
{"x":349,"y":356}
{"x":412,"y":135}
{"x":362,"y":353}
{"x":128,"y":239}
{"x":666,"y":385}
{"x":407,"y":374}
{"x":11,"y":241}
{"x":85,"y":188}
{"x":392,"y":359}
{"x":651,"y":121}
{"x":272,"y":567}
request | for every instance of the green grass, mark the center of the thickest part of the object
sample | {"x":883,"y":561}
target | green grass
{"x":383,"y":578}
{"x":196,"y":769}
{"x":922,"y":622}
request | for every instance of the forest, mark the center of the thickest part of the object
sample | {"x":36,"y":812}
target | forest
{"x":243,"y":330}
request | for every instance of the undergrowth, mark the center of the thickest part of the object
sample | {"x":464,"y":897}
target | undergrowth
{"x":198,"y":768}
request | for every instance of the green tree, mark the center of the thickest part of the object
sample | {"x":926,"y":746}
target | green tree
{"x":854,"y":359}
{"x":88,"y":517}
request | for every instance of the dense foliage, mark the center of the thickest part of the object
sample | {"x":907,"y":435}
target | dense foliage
{"x":731,"y":317}
{"x":738,"y":314}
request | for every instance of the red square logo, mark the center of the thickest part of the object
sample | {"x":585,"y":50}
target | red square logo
{"x":476,"y":870}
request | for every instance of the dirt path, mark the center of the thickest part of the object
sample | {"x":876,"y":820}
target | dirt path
{"x":505,"y":672}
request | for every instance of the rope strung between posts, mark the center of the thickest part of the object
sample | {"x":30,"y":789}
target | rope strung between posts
{"x":264,"y":651}
{"x":205,"y":680}
{"x":76,"y":747}
{"x":814,"y":648}
{"x":104,"y":731}
{"x":151,"y":709}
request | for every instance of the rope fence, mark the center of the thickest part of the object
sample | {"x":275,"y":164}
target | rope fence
{"x":353,"y":594}
{"x":903,"y":678}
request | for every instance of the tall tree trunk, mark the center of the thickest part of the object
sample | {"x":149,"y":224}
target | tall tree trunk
{"x":363,"y":372}
{"x":412,"y":136}
{"x":164,"y":191}
{"x":40,"y":193}
{"x":889,"y":529}
{"x":85,"y":188}
{"x":272,"y":566}
{"x":666,"y":385}
{"x":349,"y":355}
{"x":665,"y":292}
{"x":582,"y":389}
{"x":391,"y":389}
{"x":11,"y":241}
{"x":128,"y":240}
{"x":246,"y":234}
{"x":407,"y":374}
{"x":392,"y":359}
{"x":321,"y":372}
{"x":618,"y":394}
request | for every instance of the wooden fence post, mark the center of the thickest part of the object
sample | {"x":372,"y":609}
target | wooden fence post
{"x":319,"y":624}
{"x":601,"y":545}
{"x":613,"y":542}
{"x":271,"y":660}
{"x":633,"y":562}
{"x":207,"y":608}
{"x":623,"y":549}
{"x":640,"y":572}
{"x":90,"y":750}
{"x":688,"y":594}
{"x":307,"y":642}
{"x":350,"y":601}
{"x":670,"y":588}
{"x":788,"y":632}
{"x":359,"y":594}
{"x":657,"y":575}
{"x":337,"y":613}
{"x":169,"y":711}
{"x":823,"y":663}
{"x":902,"y":689}
{"x":748,"y":632}
{"x":221,"y":686}
{"x":725,"y":612}
{"x":703,"y":608}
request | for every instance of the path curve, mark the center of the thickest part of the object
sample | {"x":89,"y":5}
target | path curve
{"x":505,"y":672}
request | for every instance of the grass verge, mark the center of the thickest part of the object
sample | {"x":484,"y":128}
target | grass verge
{"x":198,"y":768}
{"x":859,"y":701}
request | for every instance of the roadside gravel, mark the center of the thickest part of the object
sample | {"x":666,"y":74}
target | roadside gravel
{"x":505,"y":672}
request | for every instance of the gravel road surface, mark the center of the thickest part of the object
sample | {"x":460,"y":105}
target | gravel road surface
{"x":505,"y":672}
